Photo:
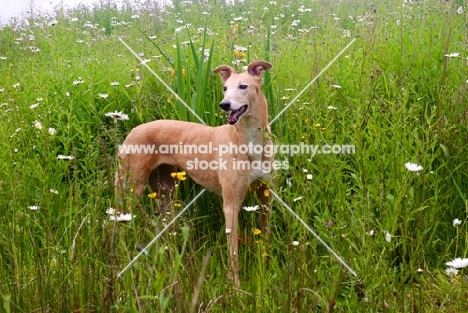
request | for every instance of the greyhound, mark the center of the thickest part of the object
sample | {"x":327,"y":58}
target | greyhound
{"x":228,"y":172}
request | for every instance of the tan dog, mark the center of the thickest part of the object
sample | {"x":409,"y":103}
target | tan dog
{"x":230,"y":174}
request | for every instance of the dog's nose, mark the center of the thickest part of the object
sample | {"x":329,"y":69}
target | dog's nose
{"x":225,"y":105}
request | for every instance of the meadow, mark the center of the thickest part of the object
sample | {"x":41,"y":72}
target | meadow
{"x":398,"y":94}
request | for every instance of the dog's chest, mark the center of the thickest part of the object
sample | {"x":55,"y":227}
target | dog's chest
{"x":260,"y":169}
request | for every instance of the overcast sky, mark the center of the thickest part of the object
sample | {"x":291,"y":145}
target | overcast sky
{"x":9,"y":8}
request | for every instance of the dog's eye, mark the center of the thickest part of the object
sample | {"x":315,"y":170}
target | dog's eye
{"x":243,"y":86}
{"x":224,"y":88}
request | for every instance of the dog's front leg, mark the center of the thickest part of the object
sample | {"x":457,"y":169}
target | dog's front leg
{"x":231,"y":216}
{"x":232,"y":201}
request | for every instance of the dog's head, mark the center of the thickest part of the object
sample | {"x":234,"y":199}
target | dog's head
{"x":240,"y":90}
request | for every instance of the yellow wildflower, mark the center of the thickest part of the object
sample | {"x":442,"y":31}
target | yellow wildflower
{"x":234,"y":29}
{"x":239,"y":54}
{"x":317,"y":125}
{"x":264,"y":255}
{"x":152,"y":195}
{"x":257,"y":231}
{"x":173,"y":72}
{"x":179,"y":175}
{"x":266,"y":192}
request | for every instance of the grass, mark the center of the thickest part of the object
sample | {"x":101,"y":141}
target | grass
{"x":401,"y":100}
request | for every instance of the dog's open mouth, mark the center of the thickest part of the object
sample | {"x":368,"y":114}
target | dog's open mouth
{"x":235,"y":115}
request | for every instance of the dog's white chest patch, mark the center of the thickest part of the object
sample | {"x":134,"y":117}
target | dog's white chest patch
{"x":258,"y":174}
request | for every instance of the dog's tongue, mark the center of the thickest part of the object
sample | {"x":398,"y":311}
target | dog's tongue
{"x":232,"y":118}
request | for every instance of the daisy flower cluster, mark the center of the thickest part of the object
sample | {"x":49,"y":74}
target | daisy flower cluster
{"x":118,"y":217}
{"x":454,"y":266}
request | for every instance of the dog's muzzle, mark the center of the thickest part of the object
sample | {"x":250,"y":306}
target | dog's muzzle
{"x":235,"y":115}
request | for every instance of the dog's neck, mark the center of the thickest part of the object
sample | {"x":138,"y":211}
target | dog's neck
{"x":253,"y":129}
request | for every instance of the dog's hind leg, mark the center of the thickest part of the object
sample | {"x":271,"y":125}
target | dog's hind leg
{"x":132,"y":176}
{"x":161,"y":182}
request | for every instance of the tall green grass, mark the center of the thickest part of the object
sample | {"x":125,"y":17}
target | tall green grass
{"x":400,"y":100}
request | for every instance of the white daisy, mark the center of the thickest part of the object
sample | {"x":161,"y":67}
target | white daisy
{"x":331,"y":107}
{"x":37,"y":124}
{"x":51,"y":130}
{"x":240,"y":48}
{"x":413,"y":167}
{"x":78,"y":81}
{"x":295,"y":243}
{"x":34,"y":105}
{"x":53,"y":191}
{"x":103,"y":95}
{"x":251,"y":208}
{"x":118,"y":116}
{"x":456,"y":222}
{"x":114,"y":83}
{"x":238,"y":62}
{"x":453,"y":55}
{"x":65,"y":157}
{"x":111,"y":211}
{"x":295,"y":23}
{"x":309,"y":176}
{"x":458,"y":263}
{"x":121,"y":217}
{"x":451,"y":271}
{"x":388,"y":237}
{"x":33,"y":207}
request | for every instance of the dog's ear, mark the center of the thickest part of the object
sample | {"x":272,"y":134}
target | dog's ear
{"x":224,"y":71}
{"x":256,"y":68}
